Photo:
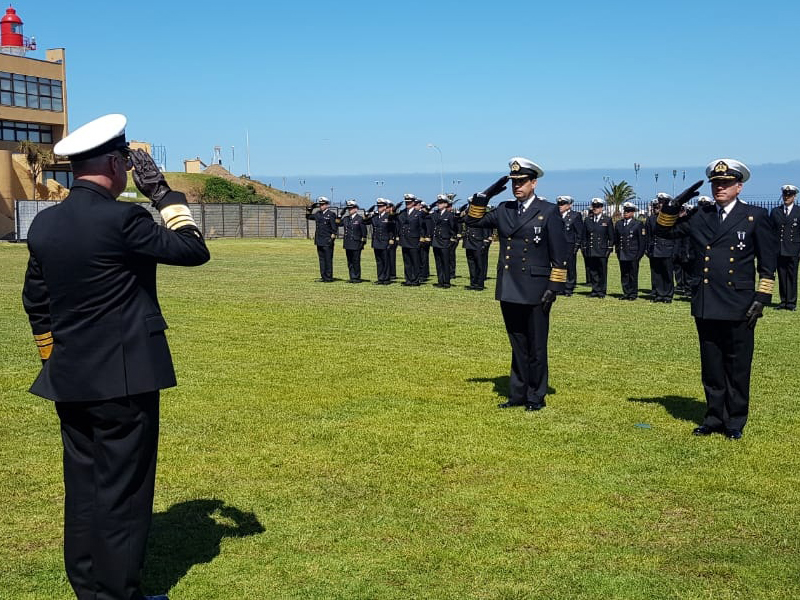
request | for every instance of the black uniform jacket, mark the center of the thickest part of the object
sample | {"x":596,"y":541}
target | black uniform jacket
{"x":410,"y":228}
{"x":573,"y":227}
{"x":788,"y":230}
{"x":91,"y":284}
{"x":355,"y":232}
{"x":382,"y":229}
{"x":327,"y":226}
{"x":630,"y":241}
{"x":726,"y":256}
{"x":658,"y":246}
{"x":476,"y":238}
{"x":598,"y":238}
{"x":533,"y":250}
{"x":446,"y":226}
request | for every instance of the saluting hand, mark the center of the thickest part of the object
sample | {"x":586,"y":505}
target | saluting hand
{"x":149,"y":180}
{"x":497,"y":187}
{"x":673,"y":207}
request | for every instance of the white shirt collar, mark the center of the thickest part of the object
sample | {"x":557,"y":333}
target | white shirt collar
{"x":727,"y":210}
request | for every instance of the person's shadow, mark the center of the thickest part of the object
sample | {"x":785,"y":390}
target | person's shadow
{"x":502,"y":385}
{"x":680,"y":407}
{"x":189,"y":533}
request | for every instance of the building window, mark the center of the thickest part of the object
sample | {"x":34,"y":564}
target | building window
{"x":17,"y":131}
{"x":27,"y":91}
{"x":62,"y":177}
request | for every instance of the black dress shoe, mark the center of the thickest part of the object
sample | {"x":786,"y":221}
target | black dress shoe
{"x":792,"y":308}
{"x":469,"y":287}
{"x":406,"y":283}
{"x":530,"y":406}
{"x":704,"y":430}
{"x":378,"y":282}
{"x":733,"y":434}
{"x":568,"y":294}
{"x":508,"y":404}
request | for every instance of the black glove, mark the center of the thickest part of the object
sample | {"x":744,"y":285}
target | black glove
{"x":147,"y":177}
{"x":497,"y":187}
{"x":371,"y":209}
{"x":398,"y":206}
{"x":548,"y":298}
{"x":754,"y":313}
{"x":673,"y":207}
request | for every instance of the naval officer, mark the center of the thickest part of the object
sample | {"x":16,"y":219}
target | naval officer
{"x":573,"y":227}
{"x":630,"y":242}
{"x":598,"y":243}
{"x":382,"y":238}
{"x":355,"y":237}
{"x":786,"y":219}
{"x":531,"y":270}
{"x":90,"y":295}
{"x":732,"y":241}
{"x":324,"y":235}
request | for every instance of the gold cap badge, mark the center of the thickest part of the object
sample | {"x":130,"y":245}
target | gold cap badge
{"x":721,"y":167}
{"x":515,"y":166}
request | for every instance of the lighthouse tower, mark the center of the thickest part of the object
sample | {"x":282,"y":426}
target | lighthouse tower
{"x":11,"y":39}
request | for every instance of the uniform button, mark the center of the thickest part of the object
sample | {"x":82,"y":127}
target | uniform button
{"x":729,"y":283}
{"x":708,"y":258}
{"x":705,"y":270}
{"x":704,"y":280}
{"x":731,"y":259}
{"x":508,"y":247}
{"x":708,"y":247}
{"x":507,"y":257}
{"x":524,"y":249}
{"x":506,"y":267}
{"x":731,"y":248}
{"x":523,"y":269}
{"x":526,"y":240}
{"x":524,"y":259}
{"x":730,"y":271}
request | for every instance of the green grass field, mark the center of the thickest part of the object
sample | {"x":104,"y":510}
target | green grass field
{"x":342,"y":441}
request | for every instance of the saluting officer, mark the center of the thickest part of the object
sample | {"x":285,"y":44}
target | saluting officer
{"x":531,"y":269}
{"x":393,"y":239}
{"x":476,"y":244}
{"x":355,"y":238}
{"x":660,"y":252}
{"x":573,"y":227}
{"x":382,"y":238}
{"x":598,"y":242}
{"x":409,"y":227}
{"x":425,"y":243}
{"x":445,"y":228}
{"x":785,"y":218}
{"x":324,"y":235}
{"x":630,"y":242}
{"x":90,"y":295}
{"x":728,"y":238}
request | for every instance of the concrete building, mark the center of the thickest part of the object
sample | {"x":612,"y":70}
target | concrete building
{"x":33,"y":106}
{"x":194,"y":165}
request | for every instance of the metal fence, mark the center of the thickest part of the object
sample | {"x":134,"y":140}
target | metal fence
{"x":215,"y":220}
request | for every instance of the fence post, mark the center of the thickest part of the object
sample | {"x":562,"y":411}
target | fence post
{"x":275,"y":220}
{"x":241,"y":222}
{"x":203,"y":219}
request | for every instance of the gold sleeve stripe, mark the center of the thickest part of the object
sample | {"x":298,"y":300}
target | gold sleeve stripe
{"x":44,"y":342}
{"x":45,"y":351}
{"x":666,"y":220}
{"x":43,"y":337}
{"x":176,"y":216}
{"x":558,"y":275}
{"x":476,"y":212}
{"x":766,"y":286}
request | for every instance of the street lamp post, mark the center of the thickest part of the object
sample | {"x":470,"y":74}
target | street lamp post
{"x":674,"y":174}
{"x":456,"y":183}
{"x":656,"y":175}
{"x":636,"y":167}
{"x":441,"y":165}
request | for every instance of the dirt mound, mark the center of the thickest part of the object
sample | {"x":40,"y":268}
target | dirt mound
{"x":279,"y":197}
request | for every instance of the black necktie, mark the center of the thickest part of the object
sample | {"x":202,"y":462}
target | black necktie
{"x":521,"y":209}
{"x":721,"y":215}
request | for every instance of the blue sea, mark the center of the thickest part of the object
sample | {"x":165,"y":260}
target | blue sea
{"x":582,"y":184}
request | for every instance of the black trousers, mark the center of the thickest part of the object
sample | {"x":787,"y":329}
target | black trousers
{"x":679,"y":274}
{"x":442,"y":258}
{"x":354,"y":263}
{"x":661,"y":277}
{"x":787,"y":280}
{"x":629,"y":276}
{"x":477,"y":267}
{"x":382,"y":264}
{"x":424,"y":261}
{"x":452,"y":249}
{"x":110,"y":450}
{"x":726,"y":357}
{"x":411,"y":264}
{"x":572,"y":271}
{"x":527,"y":327}
{"x":485,"y":256}
{"x":586,"y":267}
{"x":598,"y":273}
{"x":392,"y":254}
{"x":325,"y":255}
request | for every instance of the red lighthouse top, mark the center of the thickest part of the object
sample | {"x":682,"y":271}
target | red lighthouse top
{"x":11,"y":39}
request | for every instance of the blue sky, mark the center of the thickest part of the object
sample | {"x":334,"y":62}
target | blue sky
{"x":362,"y":87}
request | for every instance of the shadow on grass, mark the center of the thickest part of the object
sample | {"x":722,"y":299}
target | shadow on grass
{"x":680,"y":407}
{"x":501,"y":384}
{"x":187,"y":534}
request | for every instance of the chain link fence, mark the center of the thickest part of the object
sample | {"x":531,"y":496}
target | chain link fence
{"x":215,"y":220}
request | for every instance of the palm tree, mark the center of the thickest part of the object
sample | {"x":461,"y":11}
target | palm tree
{"x":617,"y":193}
{"x":36,"y":157}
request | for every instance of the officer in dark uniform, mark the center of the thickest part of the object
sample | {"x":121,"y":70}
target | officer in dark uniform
{"x":660,"y":251}
{"x":393,"y":239}
{"x":382,"y":238}
{"x":456,"y":238}
{"x":90,"y":295}
{"x":728,"y":238}
{"x":409,"y":227}
{"x":531,"y":269}
{"x":630,"y":242}
{"x":445,"y":228}
{"x":598,"y":242}
{"x":573,"y":227}
{"x":425,"y":243}
{"x":355,"y":238}
{"x":785,"y":219}
{"x":476,"y":244}
{"x":324,"y":235}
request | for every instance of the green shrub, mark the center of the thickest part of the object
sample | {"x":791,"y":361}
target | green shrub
{"x":219,"y":190}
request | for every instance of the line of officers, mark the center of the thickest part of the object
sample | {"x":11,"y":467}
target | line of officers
{"x":416,"y":228}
